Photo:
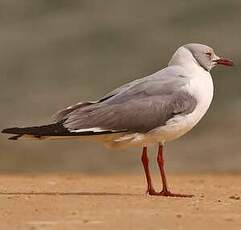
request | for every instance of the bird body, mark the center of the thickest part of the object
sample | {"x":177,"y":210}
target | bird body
{"x":154,"y":109}
{"x":200,"y":87}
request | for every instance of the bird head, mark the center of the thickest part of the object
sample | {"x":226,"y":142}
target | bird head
{"x":201,"y":55}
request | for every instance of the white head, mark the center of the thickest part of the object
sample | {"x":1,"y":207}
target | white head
{"x":198,"y":54}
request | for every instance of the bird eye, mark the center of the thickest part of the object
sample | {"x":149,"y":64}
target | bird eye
{"x":209,"y":54}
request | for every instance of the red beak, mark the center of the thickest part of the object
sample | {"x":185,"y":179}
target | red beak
{"x":224,"y":61}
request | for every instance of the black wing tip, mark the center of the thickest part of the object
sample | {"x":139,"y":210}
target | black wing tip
{"x":8,"y":130}
{"x":56,"y":129}
{"x":14,"y":130}
{"x":14,"y":138}
{"x":3,"y":131}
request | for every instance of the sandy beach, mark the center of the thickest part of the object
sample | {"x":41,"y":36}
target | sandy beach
{"x":79,"y":201}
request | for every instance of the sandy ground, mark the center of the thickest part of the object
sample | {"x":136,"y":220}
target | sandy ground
{"x":117,"y":202}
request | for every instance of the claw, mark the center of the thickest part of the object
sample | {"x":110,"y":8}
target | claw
{"x":170,"y":194}
{"x":152,"y":192}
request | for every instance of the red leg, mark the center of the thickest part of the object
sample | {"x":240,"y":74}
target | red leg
{"x":165,"y":191}
{"x":145,"y":162}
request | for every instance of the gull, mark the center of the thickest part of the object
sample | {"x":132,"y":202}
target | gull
{"x":152,"y":110}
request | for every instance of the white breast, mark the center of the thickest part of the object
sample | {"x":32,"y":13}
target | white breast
{"x":201,"y":87}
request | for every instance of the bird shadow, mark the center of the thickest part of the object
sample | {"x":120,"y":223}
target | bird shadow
{"x":69,"y":193}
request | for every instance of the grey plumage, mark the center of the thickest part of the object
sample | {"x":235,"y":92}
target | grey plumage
{"x":139,"y":106}
{"x":60,"y":115}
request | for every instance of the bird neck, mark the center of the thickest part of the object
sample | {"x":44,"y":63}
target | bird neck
{"x":183,"y":57}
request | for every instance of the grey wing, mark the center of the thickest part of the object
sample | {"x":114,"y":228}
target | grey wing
{"x":64,"y":114}
{"x":140,"y":107}
{"x":137,"y":115}
{"x":146,"y":85}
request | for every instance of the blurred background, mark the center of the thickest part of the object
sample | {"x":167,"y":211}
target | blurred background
{"x":57,"y":53}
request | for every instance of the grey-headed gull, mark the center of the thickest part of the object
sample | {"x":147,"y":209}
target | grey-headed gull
{"x":150,"y":110}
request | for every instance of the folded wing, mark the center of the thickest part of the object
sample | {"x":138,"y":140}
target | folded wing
{"x":139,"y":106}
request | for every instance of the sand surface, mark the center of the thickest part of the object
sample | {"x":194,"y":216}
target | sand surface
{"x":118,"y":202}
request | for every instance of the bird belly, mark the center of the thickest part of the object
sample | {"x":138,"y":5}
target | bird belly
{"x":174,"y":128}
